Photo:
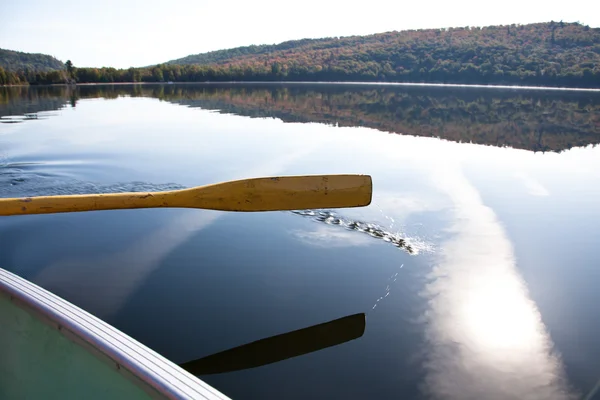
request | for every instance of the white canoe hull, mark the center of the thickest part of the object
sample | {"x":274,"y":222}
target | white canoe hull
{"x":50,"y":348}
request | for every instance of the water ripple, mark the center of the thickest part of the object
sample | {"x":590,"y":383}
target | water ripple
{"x":412,"y":246}
{"x":14,"y":183}
{"x":15,"y":119}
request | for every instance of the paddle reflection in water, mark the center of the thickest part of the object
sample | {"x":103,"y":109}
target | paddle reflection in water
{"x":280,"y":347}
{"x":486,"y":337}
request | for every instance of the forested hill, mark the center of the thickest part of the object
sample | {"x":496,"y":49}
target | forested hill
{"x":17,"y":61}
{"x":543,"y":53}
{"x":223,"y":56}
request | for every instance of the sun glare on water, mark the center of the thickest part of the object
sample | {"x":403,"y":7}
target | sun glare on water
{"x":485,"y":335}
{"x":498,"y":317}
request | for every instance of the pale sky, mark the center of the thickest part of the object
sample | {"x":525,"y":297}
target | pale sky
{"x":124,"y":33}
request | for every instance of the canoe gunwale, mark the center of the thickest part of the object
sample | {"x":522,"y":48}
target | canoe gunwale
{"x":158,"y":376}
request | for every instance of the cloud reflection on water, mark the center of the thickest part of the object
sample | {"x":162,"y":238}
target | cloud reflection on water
{"x":486,"y":338}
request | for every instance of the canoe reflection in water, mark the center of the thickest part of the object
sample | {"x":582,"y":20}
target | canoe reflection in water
{"x":280,"y":347}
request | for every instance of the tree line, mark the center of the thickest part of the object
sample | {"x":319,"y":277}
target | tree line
{"x":546,"y":54}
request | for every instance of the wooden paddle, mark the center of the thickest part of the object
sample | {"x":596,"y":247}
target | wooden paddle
{"x":260,"y":194}
{"x":280,"y":347}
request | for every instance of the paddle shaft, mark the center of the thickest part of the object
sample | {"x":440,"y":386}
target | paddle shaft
{"x":91,"y":202}
{"x":259,"y":194}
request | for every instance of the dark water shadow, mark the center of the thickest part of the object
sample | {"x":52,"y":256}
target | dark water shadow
{"x":280,"y":347}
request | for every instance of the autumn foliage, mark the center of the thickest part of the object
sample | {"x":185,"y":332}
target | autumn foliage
{"x":543,"y":54}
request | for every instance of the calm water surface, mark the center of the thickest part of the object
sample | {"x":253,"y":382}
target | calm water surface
{"x":478,"y":272}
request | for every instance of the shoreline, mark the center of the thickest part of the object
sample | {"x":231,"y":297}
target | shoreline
{"x":340,"y":83}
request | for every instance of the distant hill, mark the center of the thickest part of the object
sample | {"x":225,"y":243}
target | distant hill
{"x":14,"y":61}
{"x":542,"y":53}
{"x":224,"y":56}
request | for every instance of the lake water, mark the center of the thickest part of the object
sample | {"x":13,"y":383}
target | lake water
{"x":479,"y":274}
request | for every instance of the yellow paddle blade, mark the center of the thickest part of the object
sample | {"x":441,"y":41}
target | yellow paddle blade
{"x":259,"y":194}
